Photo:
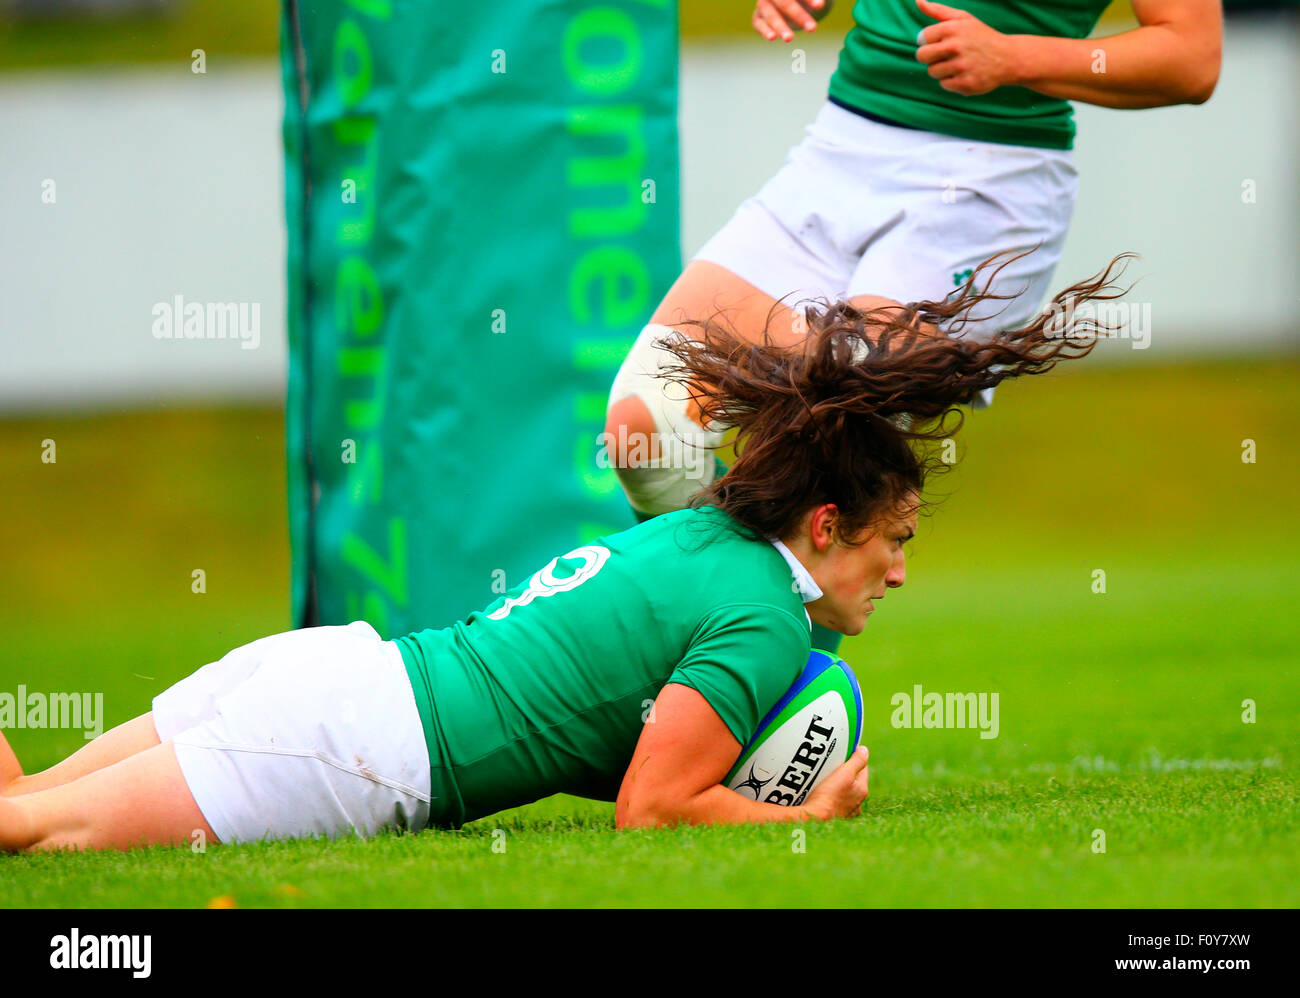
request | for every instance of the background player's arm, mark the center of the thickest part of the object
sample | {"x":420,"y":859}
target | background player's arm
{"x":685,"y":751}
{"x":1173,"y":57}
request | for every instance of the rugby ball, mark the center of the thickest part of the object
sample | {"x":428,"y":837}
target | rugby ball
{"x":814,"y":728}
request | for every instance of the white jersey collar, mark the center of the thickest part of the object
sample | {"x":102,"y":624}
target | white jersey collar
{"x":804,"y":583}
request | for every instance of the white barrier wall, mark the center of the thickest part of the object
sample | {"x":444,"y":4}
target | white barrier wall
{"x":168,"y":184}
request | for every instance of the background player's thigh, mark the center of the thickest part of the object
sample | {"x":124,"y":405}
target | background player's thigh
{"x":644,"y":408}
{"x":705,"y":287}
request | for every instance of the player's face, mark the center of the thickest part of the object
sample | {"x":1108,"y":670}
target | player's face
{"x":853,"y":577}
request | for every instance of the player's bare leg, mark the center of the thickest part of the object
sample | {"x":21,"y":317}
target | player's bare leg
{"x":141,"y":800}
{"x":704,"y":288}
{"x":125,"y":740}
{"x":644,"y":410}
{"x":10,"y":770}
{"x":638,"y":409}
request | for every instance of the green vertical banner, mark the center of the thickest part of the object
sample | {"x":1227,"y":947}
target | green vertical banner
{"x":483,"y":211}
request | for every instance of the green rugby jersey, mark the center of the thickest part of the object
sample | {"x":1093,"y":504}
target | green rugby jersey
{"x":546,"y":691}
{"x":879,"y":73}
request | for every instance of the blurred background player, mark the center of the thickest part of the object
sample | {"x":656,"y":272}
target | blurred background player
{"x":946,"y":137}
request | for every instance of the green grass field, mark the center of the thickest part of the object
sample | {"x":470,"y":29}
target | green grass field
{"x":1120,"y":712}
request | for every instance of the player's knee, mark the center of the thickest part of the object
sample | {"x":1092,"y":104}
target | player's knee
{"x":629,"y":433}
{"x":18,"y":786}
{"x":652,"y":484}
{"x":17,"y":828}
{"x":661,"y":456}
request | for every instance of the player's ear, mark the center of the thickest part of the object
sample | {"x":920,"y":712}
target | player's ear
{"x":822,"y":525}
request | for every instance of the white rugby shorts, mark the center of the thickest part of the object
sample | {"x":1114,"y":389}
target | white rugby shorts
{"x":310,"y":732}
{"x":861,"y":207}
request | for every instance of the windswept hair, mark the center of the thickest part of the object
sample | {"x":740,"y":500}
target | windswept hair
{"x":853,"y":414}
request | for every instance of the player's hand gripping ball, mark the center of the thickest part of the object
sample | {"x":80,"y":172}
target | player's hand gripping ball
{"x":810,"y":732}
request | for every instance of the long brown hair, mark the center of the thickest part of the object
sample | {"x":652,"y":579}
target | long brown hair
{"x":853,"y":413}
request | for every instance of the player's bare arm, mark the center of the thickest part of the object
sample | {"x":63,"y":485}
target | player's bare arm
{"x":681,"y":758}
{"x":1172,"y":57}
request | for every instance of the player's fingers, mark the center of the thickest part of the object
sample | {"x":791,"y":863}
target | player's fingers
{"x":841,"y":780}
{"x":931,"y":9}
{"x":776,"y":12}
{"x":796,"y":13}
{"x":857,"y":762}
{"x":769,"y":23}
{"x":946,"y":69}
{"x":932,"y":33}
{"x":759,"y":21}
{"x":937,"y":51}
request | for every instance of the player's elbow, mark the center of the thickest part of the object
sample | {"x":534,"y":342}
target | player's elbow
{"x":1201,"y":87}
{"x":1202,"y":75}
{"x":649,"y":810}
{"x":622,"y":822}
{"x":638,"y":814}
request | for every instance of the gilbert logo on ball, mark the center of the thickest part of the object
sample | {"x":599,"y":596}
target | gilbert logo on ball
{"x":812,"y":729}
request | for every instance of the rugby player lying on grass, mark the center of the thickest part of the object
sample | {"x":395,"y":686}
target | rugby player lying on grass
{"x":702,"y":615}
